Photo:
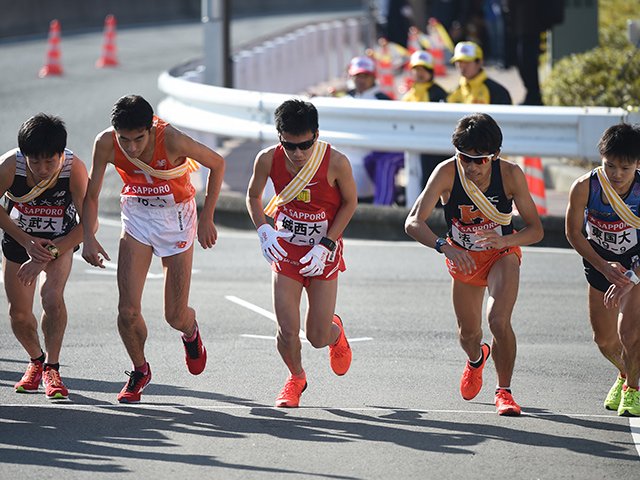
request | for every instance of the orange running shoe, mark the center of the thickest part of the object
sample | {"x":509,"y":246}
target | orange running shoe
{"x":290,"y":395}
{"x":53,"y":386}
{"x":471,"y":381}
{"x":195,"y":355}
{"x":132,"y":391}
{"x":505,"y":404}
{"x":31,"y":379}
{"x":340,"y":352}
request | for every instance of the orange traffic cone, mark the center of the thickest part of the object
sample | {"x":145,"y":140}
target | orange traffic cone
{"x":535,"y":181}
{"x":385,"y":69}
{"x":108,"y":58}
{"x":52,"y":67}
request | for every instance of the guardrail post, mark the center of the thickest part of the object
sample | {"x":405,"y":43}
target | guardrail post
{"x":413,"y":169}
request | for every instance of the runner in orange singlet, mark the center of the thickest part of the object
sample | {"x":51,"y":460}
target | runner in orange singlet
{"x":482,"y":249}
{"x":305,"y":248}
{"x":159,"y":217}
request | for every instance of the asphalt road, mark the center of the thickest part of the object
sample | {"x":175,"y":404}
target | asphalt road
{"x":396,"y":414}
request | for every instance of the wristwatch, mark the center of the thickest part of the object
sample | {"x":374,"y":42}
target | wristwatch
{"x":440,"y":242}
{"x":53,"y":250}
{"x":328,"y":244}
{"x":631,"y":275}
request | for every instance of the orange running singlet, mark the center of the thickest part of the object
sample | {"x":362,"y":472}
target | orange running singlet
{"x":151,"y":191}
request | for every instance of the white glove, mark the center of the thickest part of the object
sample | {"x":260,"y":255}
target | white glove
{"x":271,"y":249}
{"x":316,"y":258}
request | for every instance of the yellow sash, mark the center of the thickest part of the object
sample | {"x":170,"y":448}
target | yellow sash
{"x":188,"y":166}
{"x":618,"y":205}
{"x":486,"y":207}
{"x":297,"y":183}
{"x":37,"y":190}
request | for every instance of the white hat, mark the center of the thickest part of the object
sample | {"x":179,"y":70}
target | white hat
{"x":362,"y":65}
{"x":466,"y":52}
{"x":420,"y":58}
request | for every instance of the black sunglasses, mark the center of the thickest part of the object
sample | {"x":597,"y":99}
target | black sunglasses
{"x":477,"y":159}
{"x":300,"y":146}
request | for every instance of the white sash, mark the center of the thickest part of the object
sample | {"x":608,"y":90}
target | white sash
{"x":297,"y":183}
{"x":486,"y":207}
{"x":618,"y":205}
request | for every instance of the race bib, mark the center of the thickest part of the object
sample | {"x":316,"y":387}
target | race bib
{"x":152,"y":196}
{"x":617,"y":237}
{"x":467,"y":235}
{"x":39,"y":219}
{"x":305,"y":232}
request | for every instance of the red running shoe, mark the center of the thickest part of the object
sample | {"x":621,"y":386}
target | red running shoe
{"x":31,"y":379}
{"x":53,"y":386}
{"x":290,"y":395}
{"x":505,"y":404}
{"x":195,"y":355}
{"x":340,"y":353}
{"x":132,"y":391}
{"x":471,"y":381}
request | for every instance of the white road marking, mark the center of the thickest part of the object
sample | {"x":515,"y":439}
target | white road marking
{"x":634,"y":425}
{"x":70,"y":404}
{"x":272,"y":317}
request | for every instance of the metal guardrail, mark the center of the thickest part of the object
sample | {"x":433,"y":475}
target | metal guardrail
{"x":389,"y":126}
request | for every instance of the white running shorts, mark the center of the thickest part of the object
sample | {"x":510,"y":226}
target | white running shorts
{"x":169,"y":230}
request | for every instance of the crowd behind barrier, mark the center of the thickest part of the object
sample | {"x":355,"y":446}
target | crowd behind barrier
{"x":288,"y":65}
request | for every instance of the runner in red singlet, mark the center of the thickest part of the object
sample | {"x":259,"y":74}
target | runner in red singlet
{"x":305,"y":248}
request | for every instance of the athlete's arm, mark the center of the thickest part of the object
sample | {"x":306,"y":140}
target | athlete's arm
{"x":578,"y":199}
{"x":438,"y":187}
{"x":440,"y":182}
{"x":515,"y":185}
{"x":179,"y":144}
{"x":340,"y":173}
{"x":257,"y":183}
{"x":78,"y":186}
{"x":103,"y":154}
{"x":35,"y":247}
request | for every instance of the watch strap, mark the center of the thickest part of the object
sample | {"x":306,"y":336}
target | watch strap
{"x":328,"y":244}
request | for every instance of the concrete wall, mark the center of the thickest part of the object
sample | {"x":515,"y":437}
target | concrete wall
{"x":32,"y":17}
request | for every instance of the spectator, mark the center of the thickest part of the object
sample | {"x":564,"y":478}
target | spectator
{"x":475,"y":86}
{"x":424,"y":89}
{"x":527,"y":20}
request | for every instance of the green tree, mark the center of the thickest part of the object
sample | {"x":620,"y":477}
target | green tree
{"x":608,"y":75}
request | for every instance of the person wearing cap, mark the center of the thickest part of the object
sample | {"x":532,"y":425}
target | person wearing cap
{"x":374,"y":171}
{"x":424,"y":89}
{"x":475,"y":86}
{"x":362,"y":71}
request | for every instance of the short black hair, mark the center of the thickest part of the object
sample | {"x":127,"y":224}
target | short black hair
{"x":296,"y":117}
{"x":621,"y":142}
{"x":132,"y":112}
{"x":42,"y":136}
{"x":478,"y":132}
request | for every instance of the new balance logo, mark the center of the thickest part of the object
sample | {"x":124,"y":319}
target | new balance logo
{"x":61,"y":193}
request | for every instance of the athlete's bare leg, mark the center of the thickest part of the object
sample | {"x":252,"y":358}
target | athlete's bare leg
{"x":319,"y":326}
{"x":629,"y":328}
{"x":177,"y":283}
{"x":54,"y":314}
{"x":467,"y":303}
{"x":604,"y":323}
{"x":134,"y":259}
{"x":20,"y":300}
{"x":286,"y":303}
{"x":503,"y":282}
